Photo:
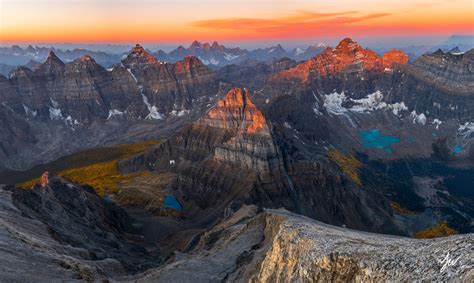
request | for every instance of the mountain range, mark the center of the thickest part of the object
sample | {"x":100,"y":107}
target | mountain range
{"x":213,"y":55}
{"x":347,"y":136}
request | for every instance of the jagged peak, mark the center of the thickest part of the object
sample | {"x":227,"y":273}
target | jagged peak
{"x":30,"y":48}
{"x":438,"y":52}
{"x":455,"y":51}
{"x":236,"y":97}
{"x":52,"y":56}
{"x":188,"y":64}
{"x":140,"y":54}
{"x":394,"y":56}
{"x":195,"y":44}
{"x":53,"y":59}
{"x":278,"y":47}
{"x":87,"y":58}
{"x":236,"y":112}
{"x":17,"y":48}
{"x":348,"y":44}
{"x":337,"y":60}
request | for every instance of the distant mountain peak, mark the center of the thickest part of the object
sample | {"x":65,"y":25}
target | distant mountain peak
{"x":139,"y":56}
{"x":347,"y":44}
{"x":195,"y":44}
{"x":30,"y":49}
{"x":347,"y":56}
{"x":87,"y":58}
{"x":53,"y":59}
{"x":455,"y":50}
{"x":438,"y":52}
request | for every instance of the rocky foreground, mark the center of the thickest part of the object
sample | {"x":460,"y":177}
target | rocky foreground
{"x":270,"y":246}
{"x":278,"y":246}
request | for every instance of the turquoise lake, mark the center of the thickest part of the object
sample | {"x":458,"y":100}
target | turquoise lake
{"x":373,"y":139}
{"x":172,"y":202}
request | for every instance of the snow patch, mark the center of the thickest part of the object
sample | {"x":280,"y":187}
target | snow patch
{"x":286,"y":125}
{"x":316,"y":105}
{"x":437,"y":123}
{"x":55,"y":114}
{"x":29,"y":112}
{"x":70,"y":121}
{"x":298,"y":51}
{"x":333,"y":103}
{"x":214,"y":61}
{"x":372,"y":102}
{"x":114,"y":112}
{"x":180,"y":113}
{"x":54,"y":103}
{"x":398,"y":107}
{"x":153,"y":111}
{"x":466,"y":130}
{"x":230,"y":57}
{"x":418,"y":118}
{"x":133,"y":76}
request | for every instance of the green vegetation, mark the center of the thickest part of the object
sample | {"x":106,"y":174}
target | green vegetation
{"x":439,"y":230}
{"x":349,"y":164}
{"x":97,"y":167}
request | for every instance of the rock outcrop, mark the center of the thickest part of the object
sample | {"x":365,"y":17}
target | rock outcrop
{"x":74,"y":100}
{"x":277,"y":246}
{"x":250,"y":145}
{"x":66,"y":232}
{"x":138,"y":56}
{"x":347,"y":57}
{"x":83,"y":91}
{"x":453,"y":73}
{"x":232,"y":151}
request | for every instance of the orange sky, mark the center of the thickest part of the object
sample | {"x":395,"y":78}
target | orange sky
{"x":125,"y":21}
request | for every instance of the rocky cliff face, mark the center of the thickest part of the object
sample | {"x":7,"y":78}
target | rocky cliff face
{"x":69,"y":233}
{"x":83,"y":91}
{"x":233,"y":140}
{"x":250,"y":145}
{"x":347,"y":57}
{"x":81,"y":96}
{"x":50,"y":225}
{"x":350,"y":84}
{"x":453,"y":73}
{"x":277,"y":246}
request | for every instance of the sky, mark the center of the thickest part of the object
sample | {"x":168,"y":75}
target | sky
{"x":180,"y":21}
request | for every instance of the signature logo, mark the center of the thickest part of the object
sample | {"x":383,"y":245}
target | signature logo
{"x":448,"y":262}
